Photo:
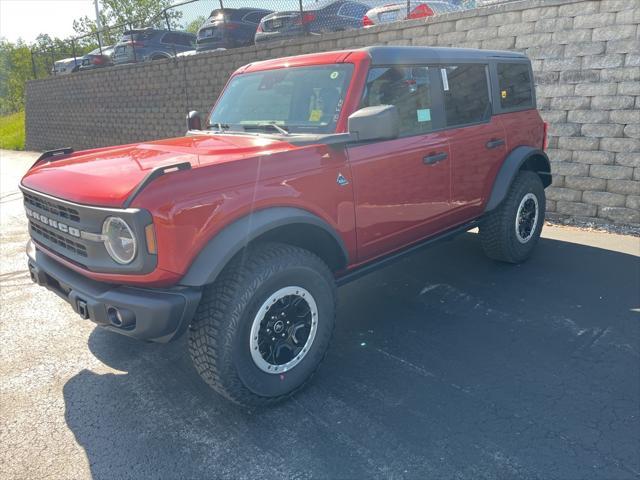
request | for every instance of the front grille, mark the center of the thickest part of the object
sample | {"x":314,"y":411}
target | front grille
{"x":57,"y":239}
{"x":53,"y":208}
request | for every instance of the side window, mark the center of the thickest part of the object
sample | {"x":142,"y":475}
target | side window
{"x":406,"y":87}
{"x":253,"y":17}
{"x":515,"y":84}
{"x":352,"y":10}
{"x":169,"y":38}
{"x":186,"y":40}
{"x":466,"y":94}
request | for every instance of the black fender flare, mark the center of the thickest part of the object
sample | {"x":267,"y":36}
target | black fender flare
{"x":220,"y":249}
{"x":535,"y":160}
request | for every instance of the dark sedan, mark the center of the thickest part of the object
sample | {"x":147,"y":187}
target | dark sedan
{"x":98,"y":58}
{"x":229,"y":28}
{"x":329,"y":16}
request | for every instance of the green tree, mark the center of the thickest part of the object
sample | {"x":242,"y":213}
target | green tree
{"x":195,"y":25}
{"x":137,"y":13}
{"x":15,"y":70}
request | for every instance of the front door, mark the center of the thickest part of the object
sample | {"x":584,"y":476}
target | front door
{"x":402,"y":187}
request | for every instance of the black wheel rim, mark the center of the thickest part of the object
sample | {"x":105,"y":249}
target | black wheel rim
{"x":283,"y":330}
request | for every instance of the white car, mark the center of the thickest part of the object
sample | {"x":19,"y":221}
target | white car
{"x":66,"y":66}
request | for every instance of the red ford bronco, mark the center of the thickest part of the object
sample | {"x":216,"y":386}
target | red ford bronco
{"x":308,"y":172}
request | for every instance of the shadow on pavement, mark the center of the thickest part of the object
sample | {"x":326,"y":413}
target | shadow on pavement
{"x":444,"y":365}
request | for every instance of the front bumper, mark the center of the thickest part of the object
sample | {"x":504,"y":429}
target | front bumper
{"x":160,"y":315}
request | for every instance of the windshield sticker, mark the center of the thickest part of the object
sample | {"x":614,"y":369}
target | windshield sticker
{"x":315,"y":115}
{"x":503,"y":94}
{"x":334,"y":75}
{"x":445,"y":79}
{"x":424,"y":115}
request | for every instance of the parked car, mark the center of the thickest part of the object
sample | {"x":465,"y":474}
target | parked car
{"x":66,"y":66}
{"x":151,"y":44}
{"x":398,"y":11}
{"x":330,"y":16}
{"x":98,"y":58}
{"x":230,"y":28}
{"x":309,"y":172}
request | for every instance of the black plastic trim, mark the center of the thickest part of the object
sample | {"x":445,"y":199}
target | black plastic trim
{"x":151,"y":176}
{"x":54,"y":155}
{"x":395,"y":256}
{"x":236,"y":236}
{"x":509,"y":170}
{"x":398,"y":55}
{"x":161,"y":315}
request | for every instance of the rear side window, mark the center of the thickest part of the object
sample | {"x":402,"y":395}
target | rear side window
{"x":254,"y":17}
{"x":406,"y":87}
{"x":515,"y":84}
{"x":352,"y":10}
{"x":466,"y":94}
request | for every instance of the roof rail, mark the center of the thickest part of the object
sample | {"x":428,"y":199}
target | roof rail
{"x":151,"y":176}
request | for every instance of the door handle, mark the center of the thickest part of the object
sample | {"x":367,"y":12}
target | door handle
{"x":434,"y":158}
{"x":495,"y":143}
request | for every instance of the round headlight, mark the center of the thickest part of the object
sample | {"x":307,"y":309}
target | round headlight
{"x":119,"y":240}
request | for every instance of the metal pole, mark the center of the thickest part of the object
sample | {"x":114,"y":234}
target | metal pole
{"x":33,"y":66}
{"x":304,"y":27}
{"x":221,"y":5}
{"x":408,"y":8}
{"x":98,"y":22}
{"x":73,"y":47}
{"x":53,"y":62}
{"x":133,"y":44}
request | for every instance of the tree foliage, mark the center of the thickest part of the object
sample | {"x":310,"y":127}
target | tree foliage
{"x":116,"y":15}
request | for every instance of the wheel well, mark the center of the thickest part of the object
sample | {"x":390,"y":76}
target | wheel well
{"x":539,"y":165}
{"x":309,"y":237}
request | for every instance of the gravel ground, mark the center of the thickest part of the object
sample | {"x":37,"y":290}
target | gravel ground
{"x":444,"y":365}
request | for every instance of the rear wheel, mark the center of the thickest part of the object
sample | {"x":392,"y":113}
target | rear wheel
{"x":511,"y":231}
{"x":263,"y":327}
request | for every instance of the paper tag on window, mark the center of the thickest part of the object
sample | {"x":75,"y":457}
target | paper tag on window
{"x":424,"y":115}
{"x":315,"y":115}
{"x":445,"y":79}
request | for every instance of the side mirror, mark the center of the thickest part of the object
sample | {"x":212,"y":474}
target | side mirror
{"x":194,"y":121}
{"x":374,"y":123}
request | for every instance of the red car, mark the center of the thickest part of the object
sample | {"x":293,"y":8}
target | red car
{"x":308,"y":172}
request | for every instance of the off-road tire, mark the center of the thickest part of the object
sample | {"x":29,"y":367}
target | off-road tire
{"x":221,"y":329}
{"x":498,"y":231}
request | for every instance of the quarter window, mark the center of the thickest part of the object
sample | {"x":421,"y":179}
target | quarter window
{"x":409,"y":89}
{"x":466,"y":94}
{"x":515,"y":85}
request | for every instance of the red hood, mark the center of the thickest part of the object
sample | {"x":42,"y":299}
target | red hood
{"x":106,"y":177}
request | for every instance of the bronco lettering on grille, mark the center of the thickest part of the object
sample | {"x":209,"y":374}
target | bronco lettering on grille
{"x":53,"y":223}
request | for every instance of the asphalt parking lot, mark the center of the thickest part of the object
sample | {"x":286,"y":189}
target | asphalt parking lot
{"x":445,"y":365}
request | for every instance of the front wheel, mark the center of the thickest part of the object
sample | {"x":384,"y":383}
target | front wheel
{"x":263,"y":327}
{"x":511,"y":231}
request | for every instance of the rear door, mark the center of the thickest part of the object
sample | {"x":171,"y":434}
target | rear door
{"x":401,"y":186}
{"x":476,"y":138}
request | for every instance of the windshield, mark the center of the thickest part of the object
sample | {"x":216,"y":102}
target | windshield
{"x":297,"y":99}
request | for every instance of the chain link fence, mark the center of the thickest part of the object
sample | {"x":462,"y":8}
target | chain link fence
{"x":194,"y":26}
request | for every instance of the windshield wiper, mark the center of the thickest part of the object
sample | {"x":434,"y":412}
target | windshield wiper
{"x":221,"y":126}
{"x":266,"y":125}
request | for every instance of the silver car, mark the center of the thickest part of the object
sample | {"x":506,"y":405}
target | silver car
{"x":398,"y":11}
{"x":66,"y":66}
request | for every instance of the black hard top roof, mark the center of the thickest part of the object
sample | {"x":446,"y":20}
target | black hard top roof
{"x":390,"y":55}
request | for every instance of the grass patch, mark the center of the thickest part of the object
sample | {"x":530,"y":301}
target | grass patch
{"x":12,"y":131}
